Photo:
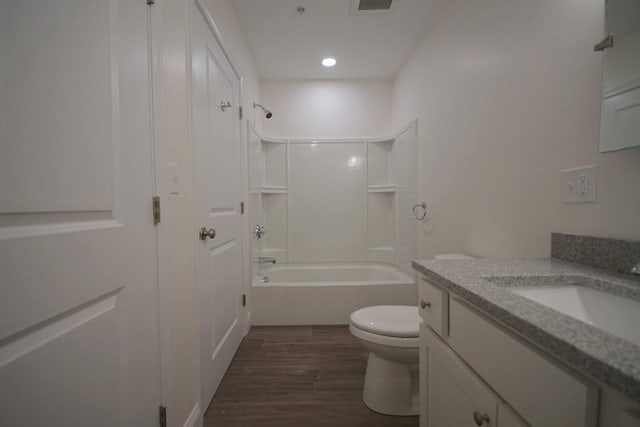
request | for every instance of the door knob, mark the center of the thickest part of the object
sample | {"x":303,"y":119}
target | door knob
{"x":480,"y":419}
{"x":259,"y":231}
{"x":207,"y":232}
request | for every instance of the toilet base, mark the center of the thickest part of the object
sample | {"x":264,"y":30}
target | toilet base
{"x":391,"y":388}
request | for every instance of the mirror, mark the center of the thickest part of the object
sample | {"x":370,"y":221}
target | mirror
{"x":620,"y":120}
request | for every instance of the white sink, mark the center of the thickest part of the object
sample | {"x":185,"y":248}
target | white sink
{"x":616,"y":315}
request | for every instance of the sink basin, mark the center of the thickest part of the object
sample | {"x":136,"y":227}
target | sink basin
{"x":616,"y":315}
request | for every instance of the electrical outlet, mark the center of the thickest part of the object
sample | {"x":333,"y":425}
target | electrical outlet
{"x":579,"y":185}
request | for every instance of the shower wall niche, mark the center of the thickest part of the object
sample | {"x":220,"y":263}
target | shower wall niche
{"x":335,"y":200}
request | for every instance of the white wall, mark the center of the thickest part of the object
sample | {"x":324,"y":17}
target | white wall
{"x":327,"y":108}
{"x":507,"y":95}
{"x":178,"y":209}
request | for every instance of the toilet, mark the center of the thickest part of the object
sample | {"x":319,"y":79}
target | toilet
{"x":391,"y":334}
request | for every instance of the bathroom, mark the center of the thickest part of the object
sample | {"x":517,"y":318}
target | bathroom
{"x":504,"y":96}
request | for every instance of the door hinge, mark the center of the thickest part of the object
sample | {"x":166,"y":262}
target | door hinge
{"x":241,"y":208}
{"x":156,"y":210}
{"x":244,"y":300}
{"x":150,"y":2}
{"x":163,"y":416}
{"x":240,"y":112}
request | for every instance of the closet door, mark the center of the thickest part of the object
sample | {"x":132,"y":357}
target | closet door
{"x":78,"y":294}
{"x":218,"y":192}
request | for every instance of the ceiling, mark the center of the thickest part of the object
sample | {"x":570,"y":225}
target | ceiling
{"x":288,"y":45}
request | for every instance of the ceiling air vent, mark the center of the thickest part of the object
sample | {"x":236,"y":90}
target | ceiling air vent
{"x":371,"y":5}
{"x":368,"y":7}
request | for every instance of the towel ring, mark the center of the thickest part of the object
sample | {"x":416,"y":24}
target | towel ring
{"x":416,"y":215}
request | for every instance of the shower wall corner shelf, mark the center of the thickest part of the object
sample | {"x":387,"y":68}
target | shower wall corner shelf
{"x":381,"y":188}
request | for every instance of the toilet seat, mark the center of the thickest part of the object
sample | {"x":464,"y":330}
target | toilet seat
{"x":398,"y":321}
{"x":398,"y":342}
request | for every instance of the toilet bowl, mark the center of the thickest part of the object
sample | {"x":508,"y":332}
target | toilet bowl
{"x":390,"y":333}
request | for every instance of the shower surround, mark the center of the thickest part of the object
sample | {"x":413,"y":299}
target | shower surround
{"x":332,"y":202}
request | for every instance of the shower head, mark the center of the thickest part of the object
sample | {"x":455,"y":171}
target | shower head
{"x":268,"y":114}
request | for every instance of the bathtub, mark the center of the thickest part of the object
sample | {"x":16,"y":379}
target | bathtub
{"x":326,"y":294}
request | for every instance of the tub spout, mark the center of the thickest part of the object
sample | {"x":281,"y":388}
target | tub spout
{"x":265,"y":260}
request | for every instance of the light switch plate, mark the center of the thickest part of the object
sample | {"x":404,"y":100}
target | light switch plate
{"x":579,"y":185}
{"x":174,"y":179}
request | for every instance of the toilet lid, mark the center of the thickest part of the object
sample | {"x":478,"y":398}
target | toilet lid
{"x":390,"y":320}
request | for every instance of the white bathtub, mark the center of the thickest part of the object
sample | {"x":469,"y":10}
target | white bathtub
{"x":325,"y":294}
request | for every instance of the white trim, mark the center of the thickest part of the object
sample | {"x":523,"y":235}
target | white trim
{"x":216,"y":33}
{"x":160,"y":188}
{"x":195,"y":417}
{"x":196,"y":379}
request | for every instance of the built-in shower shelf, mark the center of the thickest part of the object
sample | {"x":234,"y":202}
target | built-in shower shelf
{"x":273,"y":189}
{"x":386,"y":188}
{"x":381,"y":140}
{"x":383,"y":249}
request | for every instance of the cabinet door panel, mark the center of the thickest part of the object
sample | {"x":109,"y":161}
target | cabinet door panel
{"x":455,"y":393}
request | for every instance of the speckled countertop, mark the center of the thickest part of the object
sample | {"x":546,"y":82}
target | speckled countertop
{"x":483,"y":284}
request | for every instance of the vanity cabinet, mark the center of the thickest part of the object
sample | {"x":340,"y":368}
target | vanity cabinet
{"x":456,"y":396}
{"x":476,"y":372}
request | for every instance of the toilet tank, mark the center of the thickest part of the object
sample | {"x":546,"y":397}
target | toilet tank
{"x":445,"y":257}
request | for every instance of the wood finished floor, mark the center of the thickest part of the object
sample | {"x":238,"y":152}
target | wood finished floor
{"x":297,"y":376}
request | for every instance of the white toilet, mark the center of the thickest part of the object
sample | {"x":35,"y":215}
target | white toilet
{"x":390,"y":333}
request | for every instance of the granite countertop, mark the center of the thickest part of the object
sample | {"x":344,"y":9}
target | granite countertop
{"x":483,"y":284}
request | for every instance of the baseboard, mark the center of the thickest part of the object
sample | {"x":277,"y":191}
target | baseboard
{"x":195,"y":417}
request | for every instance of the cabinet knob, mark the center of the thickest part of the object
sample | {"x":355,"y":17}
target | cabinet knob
{"x":480,"y":419}
{"x":425,"y":304}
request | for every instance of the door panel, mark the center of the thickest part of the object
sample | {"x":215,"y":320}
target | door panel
{"x":78,"y":295}
{"x":58,"y":71}
{"x":218,"y":185}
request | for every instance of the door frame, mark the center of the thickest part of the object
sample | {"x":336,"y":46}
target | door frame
{"x":160,"y":171}
{"x":204,"y":11}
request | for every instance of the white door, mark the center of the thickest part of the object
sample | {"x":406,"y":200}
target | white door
{"x":218,"y":186}
{"x":78,"y":289}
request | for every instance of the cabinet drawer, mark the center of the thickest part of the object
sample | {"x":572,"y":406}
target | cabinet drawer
{"x":537,"y":387}
{"x":434,"y":306}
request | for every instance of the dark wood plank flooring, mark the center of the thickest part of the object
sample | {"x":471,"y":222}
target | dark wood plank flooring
{"x":297,"y":376}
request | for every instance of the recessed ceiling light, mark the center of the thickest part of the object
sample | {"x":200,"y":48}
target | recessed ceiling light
{"x":328,"y":62}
